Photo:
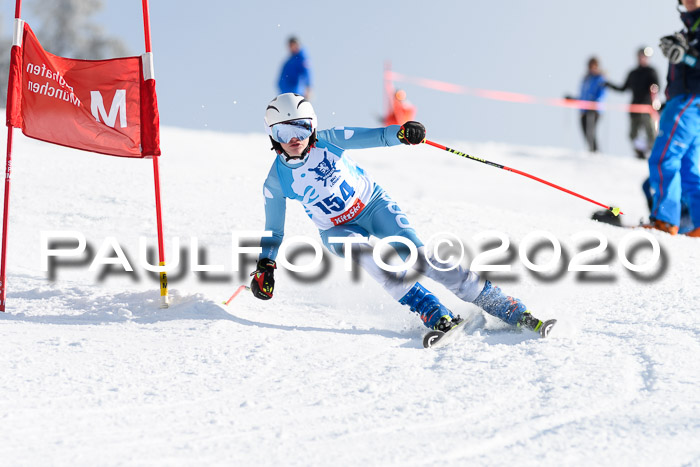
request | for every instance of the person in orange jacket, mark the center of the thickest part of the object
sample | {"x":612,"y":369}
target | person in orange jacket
{"x":400,"y":110}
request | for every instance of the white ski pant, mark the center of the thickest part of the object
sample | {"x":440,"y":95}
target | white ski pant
{"x":464,"y":283}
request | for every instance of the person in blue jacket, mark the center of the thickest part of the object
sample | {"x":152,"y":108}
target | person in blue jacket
{"x":674,"y":171}
{"x":592,"y":89}
{"x":346,"y":204}
{"x":296,"y":73}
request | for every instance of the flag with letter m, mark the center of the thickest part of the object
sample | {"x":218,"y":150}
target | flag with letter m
{"x":103,"y":106}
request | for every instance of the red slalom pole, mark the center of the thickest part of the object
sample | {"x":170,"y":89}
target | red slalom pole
{"x":16,"y":42}
{"x":6,"y":212}
{"x":614,"y":210}
{"x":156,"y":175}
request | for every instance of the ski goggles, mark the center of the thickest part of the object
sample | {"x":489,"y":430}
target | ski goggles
{"x":299,"y":129}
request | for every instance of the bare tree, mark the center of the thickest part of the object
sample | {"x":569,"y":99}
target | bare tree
{"x":64,"y":28}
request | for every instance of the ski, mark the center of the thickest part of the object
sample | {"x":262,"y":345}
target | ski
{"x":546,"y":327}
{"x":434,"y":339}
{"x":543,"y":328}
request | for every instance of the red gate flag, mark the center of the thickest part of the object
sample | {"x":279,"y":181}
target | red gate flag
{"x":104,"y":106}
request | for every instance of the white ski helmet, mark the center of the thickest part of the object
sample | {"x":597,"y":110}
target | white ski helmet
{"x":287,"y":107}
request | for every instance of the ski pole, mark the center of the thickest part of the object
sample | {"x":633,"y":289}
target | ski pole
{"x":612,"y":209}
{"x":235,"y":294}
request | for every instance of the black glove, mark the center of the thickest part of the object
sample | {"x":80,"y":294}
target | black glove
{"x":411,"y":133}
{"x":263,"y":282}
{"x":674,"y":47}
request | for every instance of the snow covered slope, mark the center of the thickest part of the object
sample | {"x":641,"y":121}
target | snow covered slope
{"x":331,"y":371}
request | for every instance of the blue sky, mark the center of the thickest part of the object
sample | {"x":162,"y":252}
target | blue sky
{"x":217,"y":61}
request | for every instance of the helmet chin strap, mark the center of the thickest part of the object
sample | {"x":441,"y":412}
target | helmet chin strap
{"x":301,"y":156}
{"x":277,"y":147}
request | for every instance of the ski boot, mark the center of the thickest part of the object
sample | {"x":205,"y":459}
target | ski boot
{"x":444,"y":331}
{"x":427,"y":305}
{"x":511,"y":310}
{"x":656,"y":224}
{"x":533,"y":324}
{"x":494,"y":302}
{"x":446,"y":323}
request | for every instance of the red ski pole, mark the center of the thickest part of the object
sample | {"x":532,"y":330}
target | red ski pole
{"x":612,"y":209}
{"x":235,"y":294}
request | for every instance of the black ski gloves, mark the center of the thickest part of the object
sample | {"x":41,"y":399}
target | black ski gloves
{"x":411,"y":133}
{"x":674,"y":47}
{"x":263,"y":282}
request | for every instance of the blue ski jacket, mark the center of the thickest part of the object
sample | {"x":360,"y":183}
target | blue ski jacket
{"x":593,"y":88}
{"x":296,"y":74}
{"x":332,"y":188}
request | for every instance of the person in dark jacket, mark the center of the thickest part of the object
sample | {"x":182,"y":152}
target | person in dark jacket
{"x":674,"y":166}
{"x":592,"y":89}
{"x":296,"y":74}
{"x":643,"y":81}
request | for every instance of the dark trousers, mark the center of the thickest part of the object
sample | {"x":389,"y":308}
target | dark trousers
{"x":589,"y":120}
{"x":646,"y":123}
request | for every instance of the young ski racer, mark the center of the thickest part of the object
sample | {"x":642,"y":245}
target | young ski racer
{"x":343,"y":201}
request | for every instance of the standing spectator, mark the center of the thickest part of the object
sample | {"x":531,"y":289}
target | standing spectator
{"x":400,"y":110}
{"x":674,"y":169}
{"x":296,"y":74}
{"x":592,"y":89}
{"x":643,"y":81}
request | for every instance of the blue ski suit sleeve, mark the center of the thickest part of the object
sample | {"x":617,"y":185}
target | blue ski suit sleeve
{"x":361,"y":138}
{"x":275,"y":213}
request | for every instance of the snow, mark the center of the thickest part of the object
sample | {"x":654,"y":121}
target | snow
{"x":331,"y":371}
